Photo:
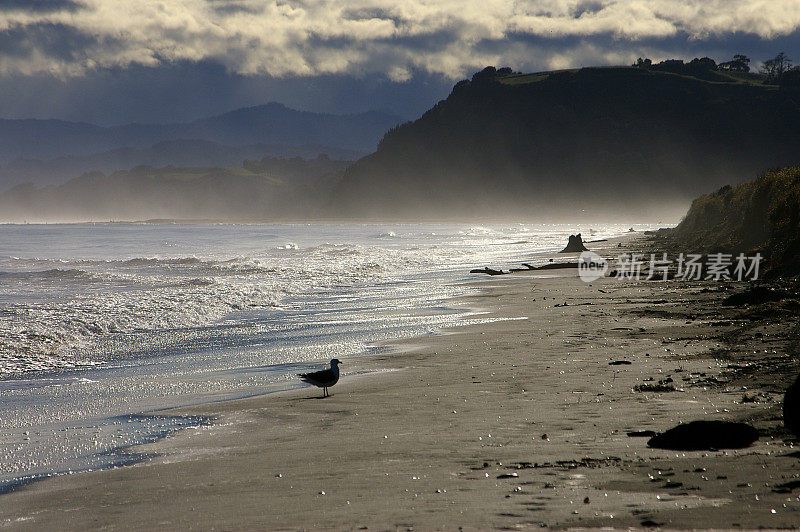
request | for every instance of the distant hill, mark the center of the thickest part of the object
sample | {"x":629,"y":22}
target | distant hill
{"x":272,"y":123}
{"x":266,"y":189}
{"x":181,"y":153}
{"x":610,"y":142}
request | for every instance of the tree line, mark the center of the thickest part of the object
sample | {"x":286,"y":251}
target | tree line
{"x":778,"y":70}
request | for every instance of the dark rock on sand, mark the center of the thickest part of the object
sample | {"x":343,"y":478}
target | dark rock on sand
{"x":791,"y":407}
{"x":575,"y":244}
{"x":705,"y":435}
{"x":660,"y":386}
{"x":641,"y":433}
{"x":787,"y":487}
{"x":755,"y":296}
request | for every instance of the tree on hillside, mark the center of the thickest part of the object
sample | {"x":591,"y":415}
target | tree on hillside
{"x":700,"y":64}
{"x":739,"y":63}
{"x":742,"y":60}
{"x":776,"y":67}
{"x":698,"y":67}
{"x":671,"y":65}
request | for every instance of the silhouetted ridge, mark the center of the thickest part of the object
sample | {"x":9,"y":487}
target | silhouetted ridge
{"x":265,"y":124}
{"x":523,"y":143}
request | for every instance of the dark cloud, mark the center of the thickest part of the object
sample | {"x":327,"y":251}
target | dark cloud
{"x":587,"y":7}
{"x":232,"y":7}
{"x":58,"y":41}
{"x":370,"y":13}
{"x":287,"y":38}
{"x":185,"y":91}
{"x":439,"y":39}
{"x":111,"y":62}
{"x":40,"y":6}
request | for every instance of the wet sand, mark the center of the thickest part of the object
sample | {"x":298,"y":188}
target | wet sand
{"x":520,"y":422}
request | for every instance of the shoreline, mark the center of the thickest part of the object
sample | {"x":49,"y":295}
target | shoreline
{"x":387,"y":453}
{"x":55,"y":419}
{"x":129,"y":454}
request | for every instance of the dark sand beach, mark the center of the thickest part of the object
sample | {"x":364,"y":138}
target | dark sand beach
{"x":517,"y":423}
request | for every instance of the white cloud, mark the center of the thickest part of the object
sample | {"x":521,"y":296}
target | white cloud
{"x":388,"y":37}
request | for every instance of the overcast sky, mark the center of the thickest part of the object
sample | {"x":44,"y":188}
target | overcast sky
{"x":113,"y":61}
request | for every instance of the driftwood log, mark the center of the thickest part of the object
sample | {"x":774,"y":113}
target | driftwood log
{"x":488,"y":271}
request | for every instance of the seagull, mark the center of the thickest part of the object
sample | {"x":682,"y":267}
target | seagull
{"x":323,"y":379}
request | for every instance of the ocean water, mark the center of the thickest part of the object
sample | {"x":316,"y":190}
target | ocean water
{"x":102,"y":323}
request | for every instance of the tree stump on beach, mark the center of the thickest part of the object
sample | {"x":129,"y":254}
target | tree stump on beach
{"x":574,"y":245}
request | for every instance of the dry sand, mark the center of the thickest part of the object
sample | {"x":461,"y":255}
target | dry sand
{"x":520,"y":422}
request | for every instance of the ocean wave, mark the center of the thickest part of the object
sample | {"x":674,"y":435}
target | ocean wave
{"x":17,"y":364}
{"x":151,"y":261}
{"x":195,"y":282}
{"x":511,"y":242}
{"x":150,"y":294}
{"x":53,"y":274}
{"x":478,"y":231}
{"x":55,"y":335}
{"x":60,"y":324}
